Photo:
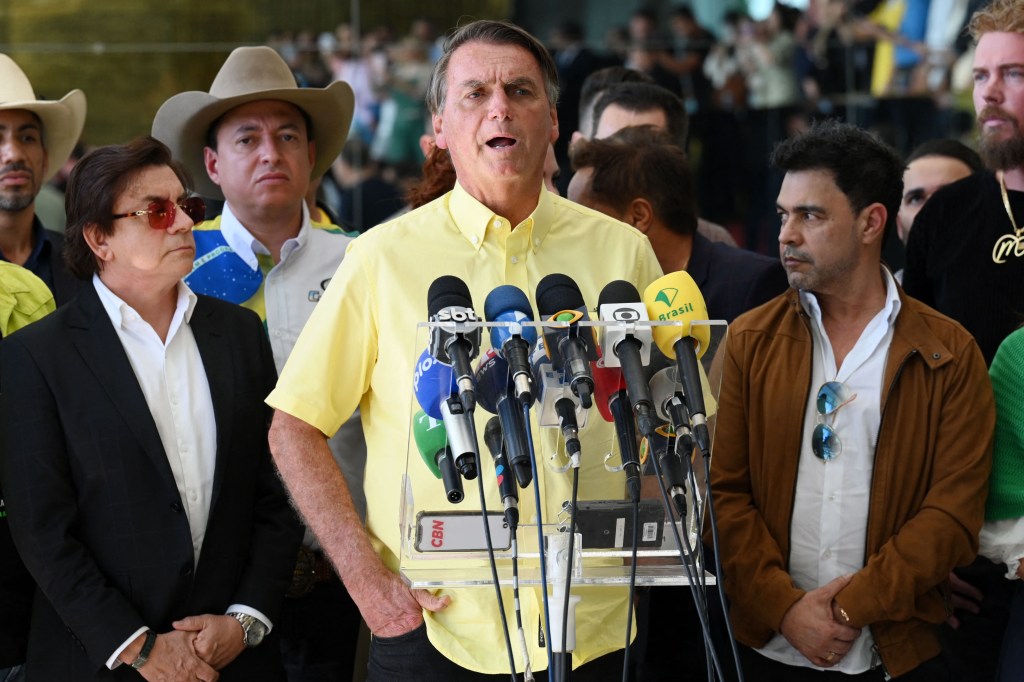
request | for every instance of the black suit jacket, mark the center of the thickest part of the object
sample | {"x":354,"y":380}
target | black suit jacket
{"x":733,"y":280}
{"x":93,"y":506}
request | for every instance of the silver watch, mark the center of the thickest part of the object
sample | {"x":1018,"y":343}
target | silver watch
{"x":253,"y":629}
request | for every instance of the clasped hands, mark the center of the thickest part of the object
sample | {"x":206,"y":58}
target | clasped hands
{"x":195,"y":649}
{"x":817,"y":627}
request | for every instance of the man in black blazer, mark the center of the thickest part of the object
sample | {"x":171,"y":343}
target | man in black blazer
{"x":133,"y":453}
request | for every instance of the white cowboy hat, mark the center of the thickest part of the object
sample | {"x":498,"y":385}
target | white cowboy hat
{"x":62,"y":119}
{"x":250,"y":74}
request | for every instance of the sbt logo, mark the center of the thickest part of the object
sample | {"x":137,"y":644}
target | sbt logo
{"x":456,"y":314}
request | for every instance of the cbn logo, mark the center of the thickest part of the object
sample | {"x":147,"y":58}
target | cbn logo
{"x":667,"y":296}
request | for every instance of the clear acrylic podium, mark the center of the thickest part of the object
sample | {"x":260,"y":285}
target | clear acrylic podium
{"x":443,"y":546}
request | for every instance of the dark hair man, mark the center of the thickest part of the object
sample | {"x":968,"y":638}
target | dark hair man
{"x":492,"y":99}
{"x":639,"y":177}
{"x":133,"y":450}
{"x":635,"y":104}
{"x":930,"y":167}
{"x":836,"y":547}
{"x":36,"y":137}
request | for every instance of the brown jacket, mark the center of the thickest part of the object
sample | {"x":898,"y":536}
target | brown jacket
{"x":932,"y":462}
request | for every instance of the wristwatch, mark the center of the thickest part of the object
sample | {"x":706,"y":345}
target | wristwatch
{"x":253,"y":629}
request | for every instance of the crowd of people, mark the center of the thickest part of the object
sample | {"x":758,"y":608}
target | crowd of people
{"x":204,"y":378}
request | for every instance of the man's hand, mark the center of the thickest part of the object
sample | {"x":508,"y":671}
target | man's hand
{"x":965,"y":596}
{"x":810,"y":626}
{"x":172,"y":659}
{"x":397,"y":609}
{"x":218,"y":639}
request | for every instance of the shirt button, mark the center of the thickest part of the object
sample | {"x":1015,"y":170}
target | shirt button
{"x":828,"y":554}
{"x":475,"y":239}
{"x":536,"y":242}
{"x":496,"y":224}
{"x":515,"y":259}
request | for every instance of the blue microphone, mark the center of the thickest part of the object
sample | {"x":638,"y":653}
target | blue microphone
{"x":509,"y":304}
{"x":436,"y":388}
{"x":495,"y":394}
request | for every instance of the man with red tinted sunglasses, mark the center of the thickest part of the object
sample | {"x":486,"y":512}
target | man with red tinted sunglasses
{"x":255,"y":140}
{"x":133,"y":449}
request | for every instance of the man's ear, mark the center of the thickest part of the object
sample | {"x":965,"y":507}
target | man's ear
{"x":640,"y":214}
{"x":872,"y":224}
{"x":210,"y":160}
{"x":98,"y":243}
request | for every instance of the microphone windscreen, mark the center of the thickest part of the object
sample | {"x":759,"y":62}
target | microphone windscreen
{"x":433,"y":382}
{"x":492,"y":436}
{"x":492,"y":380}
{"x":557,"y":292}
{"x":447,"y":291}
{"x":431,"y":437}
{"x":508,"y":303}
{"x":607,"y":381}
{"x":619,"y":291}
{"x":675,"y":297}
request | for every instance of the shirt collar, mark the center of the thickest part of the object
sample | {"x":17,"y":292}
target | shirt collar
{"x":891,"y":308}
{"x":117,"y":309}
{"x":473,"y":219}
{"x":246,"y":246}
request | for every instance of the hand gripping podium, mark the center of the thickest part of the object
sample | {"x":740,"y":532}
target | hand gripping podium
{"x":443,"y":544}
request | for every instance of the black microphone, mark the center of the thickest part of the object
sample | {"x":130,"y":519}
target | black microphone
{"x":628,"y":346}
{"x":432,"y":443}
{"x":625,"y":429}
{"x":506,"y":484}
{"x":452,"y":340}
{"x":571,"y":349}
{"x":566,"y":410}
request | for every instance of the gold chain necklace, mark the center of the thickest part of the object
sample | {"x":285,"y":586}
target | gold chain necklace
{"x":1007,"y":244}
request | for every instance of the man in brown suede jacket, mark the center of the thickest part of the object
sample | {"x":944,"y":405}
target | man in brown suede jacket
{"x":853,"y":439}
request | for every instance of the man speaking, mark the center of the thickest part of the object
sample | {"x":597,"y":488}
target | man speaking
{"x":492,"y":99}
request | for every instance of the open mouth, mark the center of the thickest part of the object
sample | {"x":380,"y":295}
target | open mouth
{"x":501,"y":143}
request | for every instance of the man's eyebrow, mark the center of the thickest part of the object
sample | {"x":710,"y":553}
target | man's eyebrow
{"x":802,"y":208}
{"x":914,"y":193}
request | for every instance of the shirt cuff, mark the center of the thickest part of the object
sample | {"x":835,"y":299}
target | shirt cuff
{"x":250,"y":611}
{"x":113,"y":661}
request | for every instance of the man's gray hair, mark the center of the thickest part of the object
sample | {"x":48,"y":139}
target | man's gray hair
{"x":492,"y":33}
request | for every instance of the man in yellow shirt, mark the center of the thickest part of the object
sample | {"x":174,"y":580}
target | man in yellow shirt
{"x":492,"y":100}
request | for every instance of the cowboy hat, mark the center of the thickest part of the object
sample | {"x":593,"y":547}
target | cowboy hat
{"x":62,"y":119}
{"x":250,"y":74}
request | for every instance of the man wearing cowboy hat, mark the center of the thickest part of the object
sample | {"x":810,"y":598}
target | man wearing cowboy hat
{"x":255,"y":140}
{"x":36,"y":137}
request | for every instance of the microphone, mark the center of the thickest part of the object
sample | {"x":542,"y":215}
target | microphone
{"x":614,"y":406}
{"x":566,"y":410}
{"x":676,"y":298}
{"x":453,"y":341}
{"x":496,"y":396}
{"x":432,"y":443}
{"x":670,"y":407}
{"x":509,"y":304}
{"x":435,"y":388}
{"x":506,"y":484}
{"x":627,"y":346}
{"x":559,"y":300}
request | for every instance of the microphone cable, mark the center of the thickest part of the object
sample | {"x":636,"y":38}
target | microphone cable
{"x":632,"y":591}
{"x":695,"y":591}
{"x":567,"y":660}
{"x":527,"y":668}
{"x":540,"y":533}
{"x":490,"y":554}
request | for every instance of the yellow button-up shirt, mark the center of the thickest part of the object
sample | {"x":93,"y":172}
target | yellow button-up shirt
{"x":359,"y":349}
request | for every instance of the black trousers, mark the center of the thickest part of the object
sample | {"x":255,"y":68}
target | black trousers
{"x":758,"y":668}
{"x":412,"y":658}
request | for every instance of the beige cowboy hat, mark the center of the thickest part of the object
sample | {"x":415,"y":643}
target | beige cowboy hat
{"x":250,"y":74}
{"x":62,"y":119}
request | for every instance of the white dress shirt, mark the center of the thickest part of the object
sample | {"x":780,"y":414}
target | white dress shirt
{"x":177,"y":392}
{"x":829,"y":524}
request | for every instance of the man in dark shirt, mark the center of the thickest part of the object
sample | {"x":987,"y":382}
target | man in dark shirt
{"x":36,"y":137}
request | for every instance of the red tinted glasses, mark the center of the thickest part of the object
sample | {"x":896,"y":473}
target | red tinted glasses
{"x":161,"y":213}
